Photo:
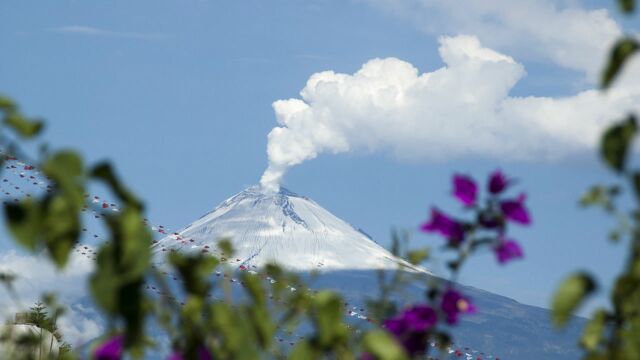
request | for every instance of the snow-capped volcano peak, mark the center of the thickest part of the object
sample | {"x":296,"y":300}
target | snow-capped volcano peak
{"x":286,"y":228}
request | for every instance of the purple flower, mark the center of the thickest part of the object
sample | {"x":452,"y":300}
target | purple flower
{"x":203,"y":354}
{"x":454,"y":304}
{"x":465,"y":189}
{"x":111,"y":349}
{"x":366,"y":356}
{"x":411,"y":326}
{"x":515,"y":210}
{"x":420,"y":318}
{"x":508,"y":250}
{"x":414,"y":343}
{"x":497,"y":182}
{"x":441,"y":223}
{"x":397,"y":326}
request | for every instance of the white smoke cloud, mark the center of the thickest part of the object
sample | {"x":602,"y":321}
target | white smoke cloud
{"x":462,"y":109}
{"x":555,"y":31}
{"x":36,"y":275}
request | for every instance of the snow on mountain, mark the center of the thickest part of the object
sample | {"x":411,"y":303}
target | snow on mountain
{"x":286,"y":228}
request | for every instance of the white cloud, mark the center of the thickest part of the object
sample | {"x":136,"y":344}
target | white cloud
{"x":35,"y":275}
{"x":92,"y":31}
{"x":462,"y":109}
{"x":80,"y":325}
{"x":556,"y":31}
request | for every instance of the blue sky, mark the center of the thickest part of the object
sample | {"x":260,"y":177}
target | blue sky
{"x":179,"y":95}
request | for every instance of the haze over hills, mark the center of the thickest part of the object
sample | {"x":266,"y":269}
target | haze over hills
{"x":298,"y":234}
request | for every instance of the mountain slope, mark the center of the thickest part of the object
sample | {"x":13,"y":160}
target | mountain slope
{"x":285,"y":228}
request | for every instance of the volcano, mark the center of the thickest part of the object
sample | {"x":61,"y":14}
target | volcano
{"x":283,"y":228}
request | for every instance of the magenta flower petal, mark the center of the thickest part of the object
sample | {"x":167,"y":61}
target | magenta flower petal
{"x":203,"y":354}
{"x":444,"y":225}
{"x":515,"y":210}
{"x":111,"y":349}
{"x":497,"y":182}
{"x":366,"y":356}
{"x":397,"y":326}
{"x":415,"y":343}
{"x":465,"y":189}
{"x":454,"y":304}
{"x":420,"y":318}
{"x":410,"y":328}
{"x":507,"y":251}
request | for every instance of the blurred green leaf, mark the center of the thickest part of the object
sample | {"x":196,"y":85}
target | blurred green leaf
{"x":627,"y":6}
{"x":595,"y":195}
{"x":225,"y":247}
{"x":616,"y":142}
{"x":66,"y":168}
{"x":383,"y":346}
{"x":117,"y":281}
{"x":602,"y":196}
{"x":7,"y":278}
{"x":64,"y":164}
{"x":303,"y":351}
{"x":61,"y":226}
{"x":620,"y":53}
{"x":594,"y":330}
{"x":7,"y":105}
{"x":615,"y":235}
{"x":254,"y":287}
{"x":626,"y":292}
{"x":237,"y":340}
{"x":569,"y":296}
{"x":443,"y":340}
{"x":24,"y":220}
{"x":328,"y":313}
{"x":104,"y":171}
{"x":133,"y":239}
{"x":635,"y":180}
{"x":27,"y":128}
{"x":194,"y":271}
{"x":418,"y":256}
{"x":104,"y":282}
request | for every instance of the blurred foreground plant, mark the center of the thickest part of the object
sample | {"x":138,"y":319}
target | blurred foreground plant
{"x":612,"y":332}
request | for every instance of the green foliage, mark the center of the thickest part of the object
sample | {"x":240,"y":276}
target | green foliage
{"x":327,"y":315}
{"x":614,"y":333}
{"x":418,"y":256}
{"x":627,"y":6}
{"x":593,"y":333}
{"x":18,"y":122}
{"x":616,"y":142}
{"x":194,"y":271}
{"x":23,"y":220}
{"x":53,"y":220}
{"x":105,"y":172}
{"x":122,"y":264}
{"x":570,"y":296}
{"x":382,"y":346}
{"x":602,"y":196}
{"x":622,"y":51}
